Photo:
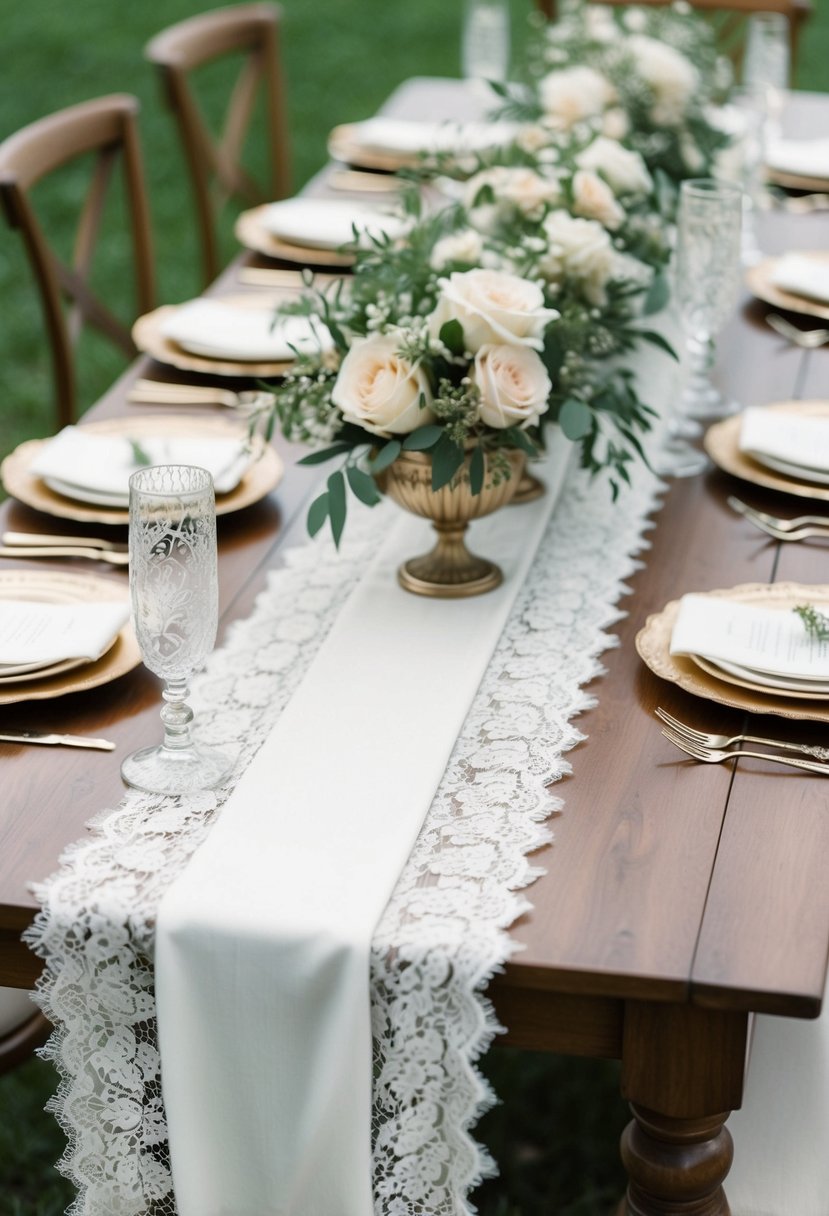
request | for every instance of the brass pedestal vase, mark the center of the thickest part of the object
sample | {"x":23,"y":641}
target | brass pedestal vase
{"x":449,"y":571}
{"x":529,"y":489}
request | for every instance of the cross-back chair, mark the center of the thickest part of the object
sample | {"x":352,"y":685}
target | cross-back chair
{"x":215,"y":162}
{"x":107,"y":129}
{"x":728,"y":16}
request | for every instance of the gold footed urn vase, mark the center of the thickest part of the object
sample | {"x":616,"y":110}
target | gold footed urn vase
{"x":449,"y":571}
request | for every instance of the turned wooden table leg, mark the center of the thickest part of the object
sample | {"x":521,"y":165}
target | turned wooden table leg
{"x":682,"y":1071}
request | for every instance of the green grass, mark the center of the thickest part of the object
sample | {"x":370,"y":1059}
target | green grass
{"x":556,"y":1132}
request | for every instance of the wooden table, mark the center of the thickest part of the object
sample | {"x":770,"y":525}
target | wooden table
{"x":678,"y":898}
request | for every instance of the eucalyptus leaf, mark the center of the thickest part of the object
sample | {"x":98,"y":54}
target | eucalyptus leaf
{"x":336,"y":505}
{"x":451,"y":335}
{"x":324,"y":454}
{"x":422,"y":439}
{"x":386,"y":456}
{"x":317,"y":514}
{"x":517,"y":438}
{"x":363,"y":485}
{"x":658,"y":294}
{"x":447,"y":458}
{"x":575,"y":419}
{"x":650,"y":335}
{"x":477,"y":468}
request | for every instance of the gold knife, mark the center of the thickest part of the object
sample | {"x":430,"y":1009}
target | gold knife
{"x":101,"y":745}
{"x":95,"y":555}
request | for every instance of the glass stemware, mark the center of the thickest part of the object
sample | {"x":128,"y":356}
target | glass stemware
{"x":766,"y":65}
{"x":174,"y":592}
{"x":707,"y":275}
{"x":485,"y":40}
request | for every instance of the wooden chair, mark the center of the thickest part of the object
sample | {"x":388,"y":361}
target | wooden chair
{"x":728,"y":16}
{"x":22,"y":1028}
{"x":107,"y":129}
{"x":214,"y":163}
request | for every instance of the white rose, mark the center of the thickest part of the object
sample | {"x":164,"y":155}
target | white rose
{"x":521,"y":188}
{"x":379,"y":390}
{"x":513,"y":383}
{"x":671,"y":77}
{"x":581,"y":250}
{"x":600,"y":24}
{"x":593,"y":198}
{"x":465,"y":246}
{"x":573,"y":94}
{"x":615,"y":123}
{"x":623,"y":170}
{"x":492,"y":306}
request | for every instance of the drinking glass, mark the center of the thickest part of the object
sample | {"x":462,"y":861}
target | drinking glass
{"x":766,"y":65}
{"x":175,"y":594}
{"x":485,"y":40}
{"x":707,"y":274}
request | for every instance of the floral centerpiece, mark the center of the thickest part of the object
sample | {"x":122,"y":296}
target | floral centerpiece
{"x":648,"y":77}
{"x":458,"y":344}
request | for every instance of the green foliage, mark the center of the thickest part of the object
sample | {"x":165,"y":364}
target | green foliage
{"x":815,"y":623}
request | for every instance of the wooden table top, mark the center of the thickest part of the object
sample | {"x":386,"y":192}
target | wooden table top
{"x":667,"y":880}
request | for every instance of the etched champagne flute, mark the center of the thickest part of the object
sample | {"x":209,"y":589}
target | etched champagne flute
{"x":485,"y":40}
{"x":707,"y":279}
{"x":175,"y":595}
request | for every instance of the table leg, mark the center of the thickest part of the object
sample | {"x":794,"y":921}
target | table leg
{"x":682,"y":1071}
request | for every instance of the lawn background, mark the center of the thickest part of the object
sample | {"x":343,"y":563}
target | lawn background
{"x":555,"y":1134}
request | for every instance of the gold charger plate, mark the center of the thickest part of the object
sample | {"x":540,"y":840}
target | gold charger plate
{"x":653,"y":646}
{"x":344,"y":145}
{"x":264,"y":473}
{"x":796,"y":181}
{"x":759,"y":283}
{"x":721,"y":442}
{"x":147,"y":335}
{"x":58,"y":587}
{"x":253,"y":234}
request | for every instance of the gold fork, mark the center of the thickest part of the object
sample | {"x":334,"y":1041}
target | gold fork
{"x":705,"y":739}
{"x":776,"y":521}
{"x":808,"y":339}
{"x":711,"y":755}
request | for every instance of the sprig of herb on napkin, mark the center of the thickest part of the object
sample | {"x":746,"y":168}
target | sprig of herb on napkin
{"x":815,"y":623}
{"x":139,"y":455}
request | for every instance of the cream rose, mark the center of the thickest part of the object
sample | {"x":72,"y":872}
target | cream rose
{"x":513,"y":383}
{"x":578,"y":249}
{"x":492,"y":306}
{"x":570,"y":95}
{"x":594,"y":199}
{"x":465,"y":246}
{"x":379,"y":390}
{"x":521,"y":188}
{"x":624,"y":171}
{"x":671,"y":77}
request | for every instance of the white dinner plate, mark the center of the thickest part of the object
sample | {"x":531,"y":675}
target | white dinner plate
{"x":798,"y":471}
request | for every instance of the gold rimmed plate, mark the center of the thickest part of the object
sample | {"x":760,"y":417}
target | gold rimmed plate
{"x":58,"y":587}
{"x":252,"y":232}
{"x":344,"y":144}
{"x":653,"y":644}
{"x":796,"y":181}
{"x":759,"y":280}
{"x":263,"y":474}
{"x":722,"y":443}
{"x":148,"y":335}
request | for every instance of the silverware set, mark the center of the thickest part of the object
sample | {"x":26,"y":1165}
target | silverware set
{"x":34,"y":544}
{"x":160,"y":392}
{"x":802,"y":527}
{"x":807,"y":339}
{"x":715,"y":749}
{"x":30,"y":736}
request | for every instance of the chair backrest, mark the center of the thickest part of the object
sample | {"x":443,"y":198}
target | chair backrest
{"x":729,"y":18}
{"x":107,"y":129}
{"x":214,"y":162}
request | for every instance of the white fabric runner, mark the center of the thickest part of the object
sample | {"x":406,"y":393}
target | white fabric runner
{"x":444,"y":933}
{"x":262,"y":944}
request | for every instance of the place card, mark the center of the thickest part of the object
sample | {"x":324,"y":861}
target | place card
{"x":799,"y":440}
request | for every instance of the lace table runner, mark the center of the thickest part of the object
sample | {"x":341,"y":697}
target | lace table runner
{"x":444,"y":934}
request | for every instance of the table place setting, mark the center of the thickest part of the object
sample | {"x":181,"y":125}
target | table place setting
{"x":83,"y":473}
{"x":746,"y":646}
{"x":796,"y":282}
{"x":389,"y":144}
{"x":318,"y":231}
{"x":801,"y":527}
{"x":775,"y":464}
{"x":799,"y":164}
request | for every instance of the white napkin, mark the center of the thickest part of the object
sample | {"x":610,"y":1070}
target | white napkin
{"x":255,"y":335}
{"x":762,"y":640}
{"x":798,"y":440}
{"x":323,"y":223}
{"x":103,"y":464}
{"x":409,"y":137}
{"x":803,"y":276}
{"x":42,"y":634}
{"x":806,"y":157}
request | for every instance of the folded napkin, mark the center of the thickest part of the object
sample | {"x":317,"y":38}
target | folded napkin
{"x":798,"y":440}
{"x":805,"y":157}
{"x":409,"y":137}
{"x":763,"y":640}
{"x":39,"y":634}
{"x":323,"y":223}
{"x":802,"y":275}
{"x":227,"y":331}
{"x":103,"y":464}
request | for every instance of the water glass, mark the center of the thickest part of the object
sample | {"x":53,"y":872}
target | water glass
{"x":485,"y":40}
{"x":175,"y":596}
